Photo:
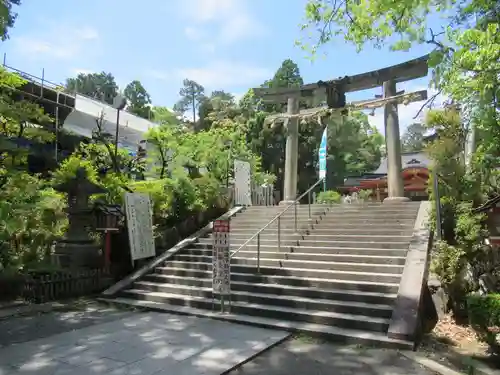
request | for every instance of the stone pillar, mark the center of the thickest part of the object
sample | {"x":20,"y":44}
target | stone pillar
{"x":291,"y":153}
{"x":395,"y":187}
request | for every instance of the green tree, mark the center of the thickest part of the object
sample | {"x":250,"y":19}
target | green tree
{"x":353,"y":148}
{"x":466,"y":68}
{"x":101,"y":86}
{"x":19,"y":119}
{"x":413,"y":138}
{"x":287,"y":75}
{"x":163,"y":115}
{"x":139,"y":101}
{"x":192,"y":95}
{"x":31,"y":213}
{"x":7,"y":17}
{"x":218,"y":106}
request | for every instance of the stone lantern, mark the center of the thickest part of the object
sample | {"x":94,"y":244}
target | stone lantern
{"x":77,"y":249}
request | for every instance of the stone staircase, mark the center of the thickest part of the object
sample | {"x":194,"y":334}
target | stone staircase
{"x":339,"y":277}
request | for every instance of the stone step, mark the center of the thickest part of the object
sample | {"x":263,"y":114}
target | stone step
{"x":268,"y":235}
{"x":305,"y":251}
{"x":319,"y":238}
{"x":274,"y":225}
{"x":334,"y":230}
{"x":344,"y":320}
{"x":360,"y":226}
{"x":353,"y":243}
{"x":203,"y":286}
{"x":371,"y":209}
{"x":279,"y":299}
{"x":389,"y":219}
{"x":336,"y":333}
{"x":281,"y":281}
{"x":236,"y":262}
{"x":196,"y":270}
{"x":279,"y":209}
{"x":283,"y":220}
{"x":342,"y":258}
{"x":236,"y":243}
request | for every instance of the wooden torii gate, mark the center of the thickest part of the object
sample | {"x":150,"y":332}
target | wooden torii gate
{"x":334,"y":92}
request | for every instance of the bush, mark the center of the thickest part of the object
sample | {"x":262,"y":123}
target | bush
{"x":484,"y":316}
{"x":364,"y":194}
{"x":328,"y":197}
{"x":32,"y":217}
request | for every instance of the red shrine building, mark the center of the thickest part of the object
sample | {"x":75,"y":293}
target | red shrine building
{"x":415,"y":173}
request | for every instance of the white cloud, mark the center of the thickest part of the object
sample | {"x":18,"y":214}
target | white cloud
{"x":232,"y":19}
{"x":208,"y":47}
{"x":192,"y":33}
{"x":77,"y":71}
{"x":223,"y":74}
{"x":217,"y":75}
{"x":58,"y":42}
{"x":238,"y":96}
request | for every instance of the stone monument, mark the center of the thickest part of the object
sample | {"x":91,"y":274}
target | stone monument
{"x":77,"y":249}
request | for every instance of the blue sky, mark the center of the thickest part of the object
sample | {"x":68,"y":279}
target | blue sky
{"x":223,"y":44}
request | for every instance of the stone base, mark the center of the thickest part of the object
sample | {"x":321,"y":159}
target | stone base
{"x":78,"y":255}
{"x":286,"y":203}
{"x":390,"y":200}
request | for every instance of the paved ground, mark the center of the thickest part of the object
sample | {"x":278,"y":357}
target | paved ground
{"x":85,"y":337}
{"x":67,"y":317}
{"x":141,"y":344}
{"x":296,"y":357}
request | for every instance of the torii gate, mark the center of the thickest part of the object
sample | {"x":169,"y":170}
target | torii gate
{"x":334,"y":91}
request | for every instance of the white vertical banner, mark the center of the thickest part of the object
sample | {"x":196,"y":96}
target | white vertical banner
{"x":322,"y":155}
{"x":140,"y":225}
{"x":242,"y":183}
{"x":221,"y":262}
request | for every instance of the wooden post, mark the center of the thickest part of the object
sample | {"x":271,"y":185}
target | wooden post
{"x":393,"y":146}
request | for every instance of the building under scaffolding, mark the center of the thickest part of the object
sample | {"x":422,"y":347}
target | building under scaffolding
{"x":77,"y":114}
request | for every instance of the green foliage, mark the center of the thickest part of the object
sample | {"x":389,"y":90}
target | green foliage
{"x":484,"y":316}
{"x":466,"y":68}
{"x":7,"y":17}
{"x":139,"y":101}
{"x":364,"y":195}
{"x":448,"y":263}
{"x":413,"y":138}
{"x":31,"y":218}
{"x":354,"y":147}
{"x":101,"y":86}
{"x":164,"y":116}
{"x":328,"y":197}
{"x":192,"y":95}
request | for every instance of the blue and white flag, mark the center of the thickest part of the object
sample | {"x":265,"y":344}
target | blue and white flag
{"x":322,"y":155}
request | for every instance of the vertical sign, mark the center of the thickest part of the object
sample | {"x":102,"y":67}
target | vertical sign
{"x":322,"y":157}
{"x":140,"y":225}
{"x":221,"y":262}
{"x":242,"y":174}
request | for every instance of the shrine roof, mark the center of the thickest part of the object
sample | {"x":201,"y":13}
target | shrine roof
{"x":416,"y":159}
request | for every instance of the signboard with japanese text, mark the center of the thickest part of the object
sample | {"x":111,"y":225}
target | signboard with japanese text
{"x":140,"y":225}
{"x":221,"y":261}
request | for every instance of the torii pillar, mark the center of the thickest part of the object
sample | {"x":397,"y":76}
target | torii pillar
{"x":291,"y":152}
{"x":395,"y":188}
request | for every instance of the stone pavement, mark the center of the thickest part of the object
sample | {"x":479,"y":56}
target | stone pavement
{"x":144,"y":343}
{"x":34,"y":322}
{"x":296,"y":357}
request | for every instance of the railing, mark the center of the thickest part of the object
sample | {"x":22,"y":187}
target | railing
{"x":278,"y":218}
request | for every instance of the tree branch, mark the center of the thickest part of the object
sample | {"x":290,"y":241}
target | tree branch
{"x":429,"y":102}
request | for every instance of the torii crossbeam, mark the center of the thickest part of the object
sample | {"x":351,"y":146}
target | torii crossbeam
{"x":334,"y":92}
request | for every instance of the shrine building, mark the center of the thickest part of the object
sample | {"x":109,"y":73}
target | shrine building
{"x":415,"y":173}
